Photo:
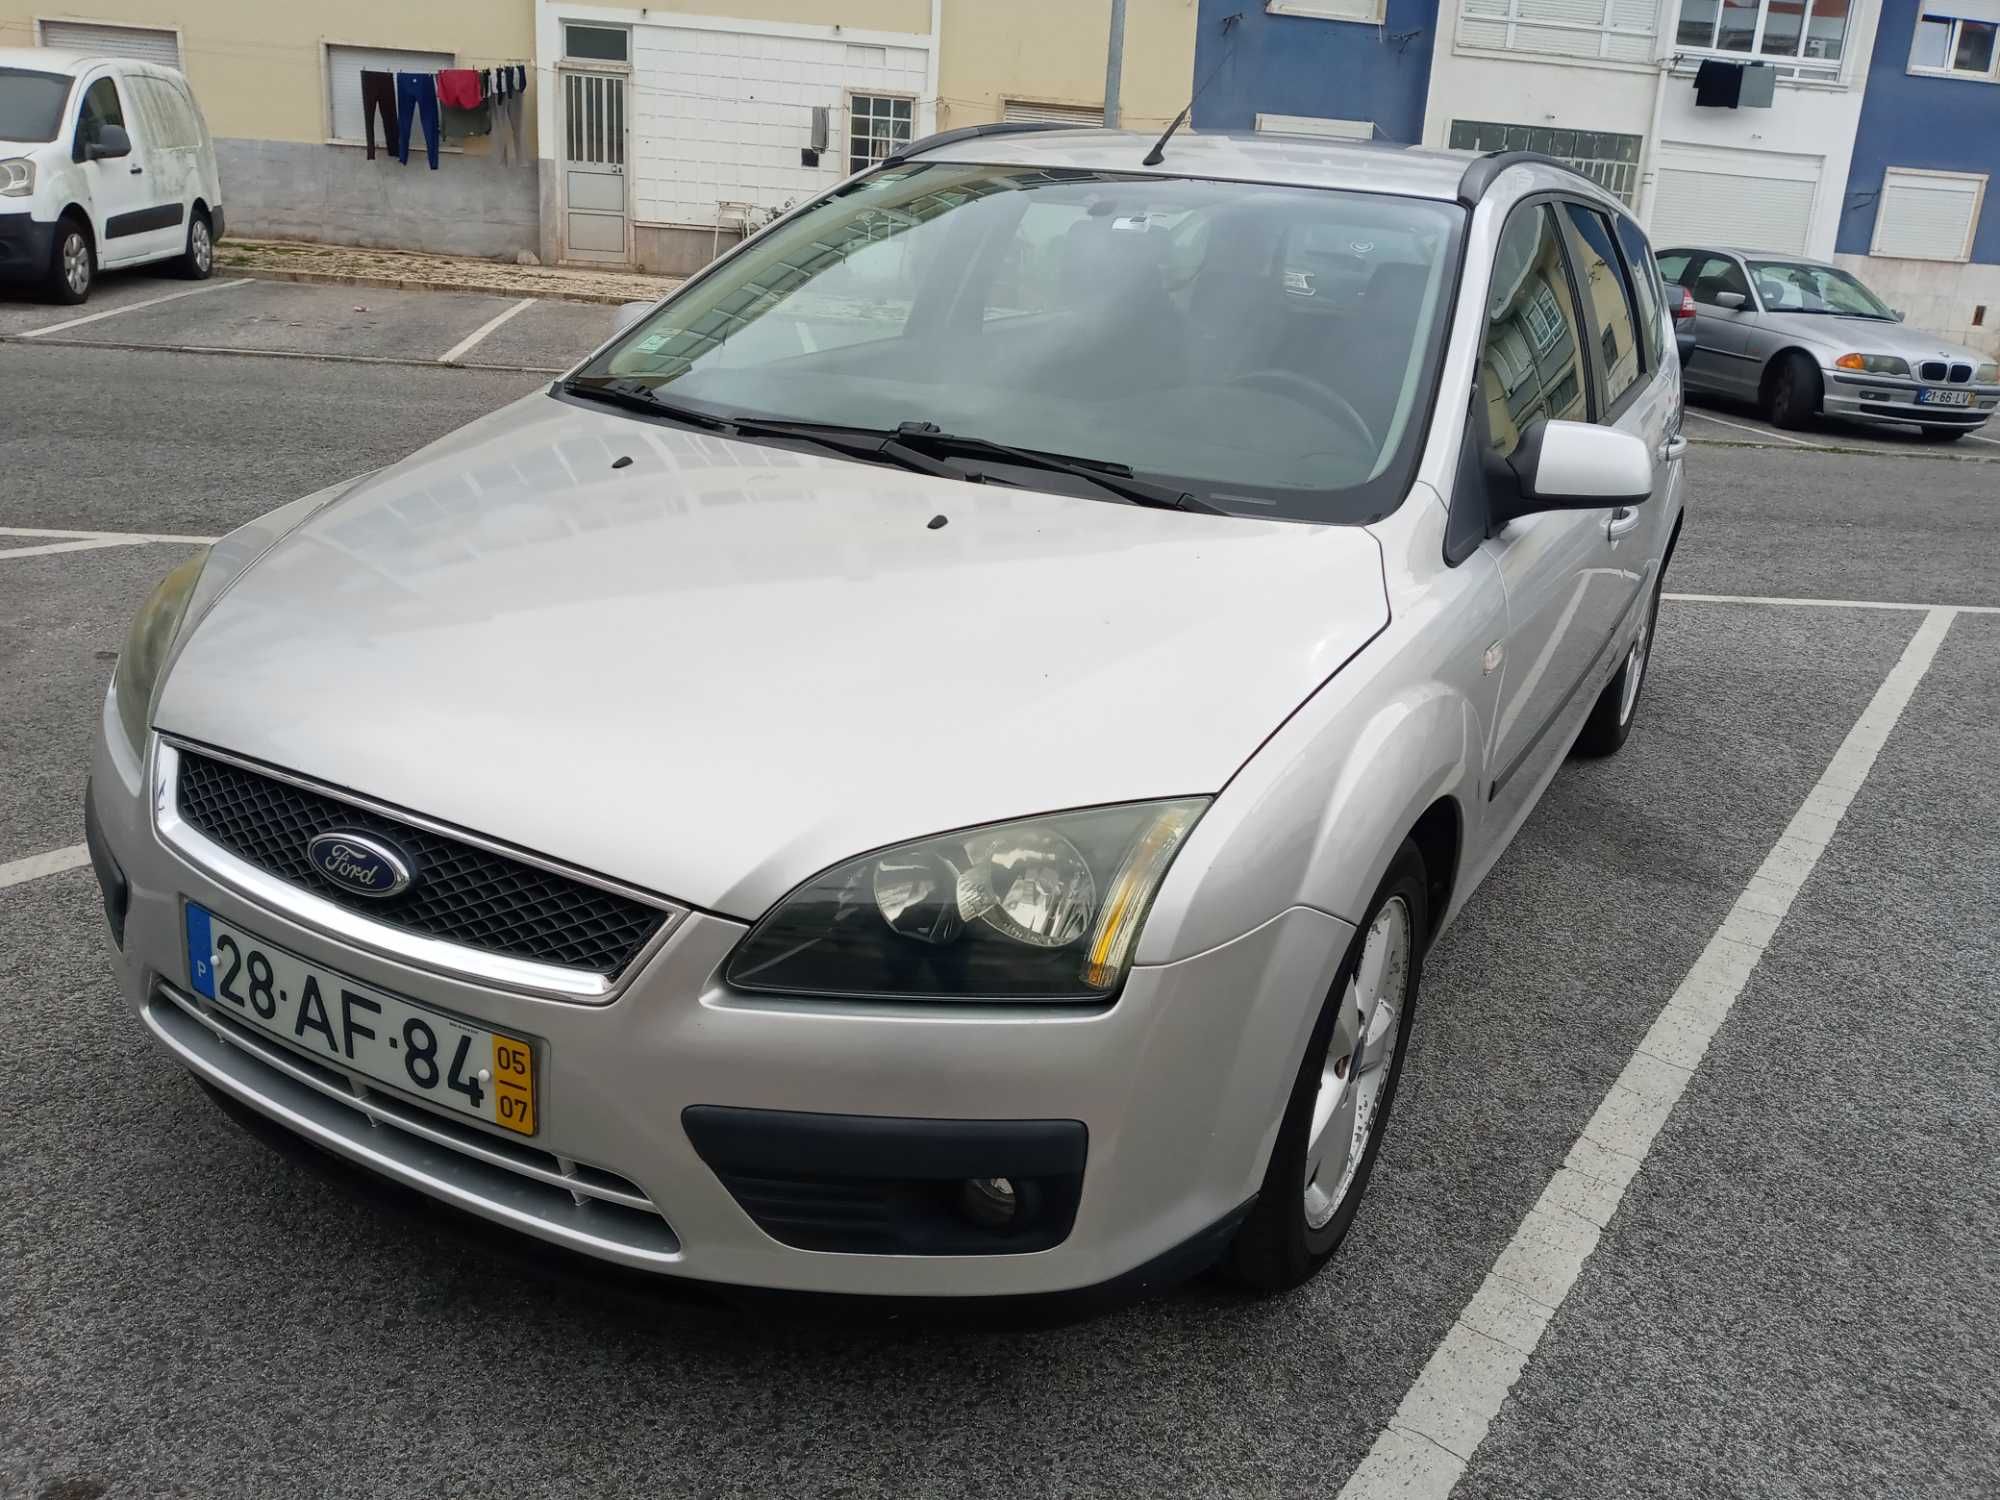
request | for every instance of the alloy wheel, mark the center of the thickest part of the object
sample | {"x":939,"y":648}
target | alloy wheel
{"x":1635,"y":668}
{"x":201,"y":246}
{"x":76,"y":263}
{"x":1355,"y":1074}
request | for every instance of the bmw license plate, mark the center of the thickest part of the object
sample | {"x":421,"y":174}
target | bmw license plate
{"x":409,"y":1048}
{"x":1930,"y":397}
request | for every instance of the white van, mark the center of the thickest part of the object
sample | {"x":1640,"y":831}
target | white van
{"x":103,"y":162}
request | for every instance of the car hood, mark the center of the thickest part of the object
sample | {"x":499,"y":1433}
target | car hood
{"x":1868,"y":336}
{"x":720,"y":668}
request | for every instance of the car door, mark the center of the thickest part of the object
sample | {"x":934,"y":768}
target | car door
{"x":130,"y":220}
{"x":1563,"y":584}
{"x":1724,"y":360}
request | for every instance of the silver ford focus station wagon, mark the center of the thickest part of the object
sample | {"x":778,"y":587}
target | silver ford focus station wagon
{"x":930,"y":763}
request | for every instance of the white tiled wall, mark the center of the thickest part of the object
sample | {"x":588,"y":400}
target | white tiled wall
{"x":723,"y":115}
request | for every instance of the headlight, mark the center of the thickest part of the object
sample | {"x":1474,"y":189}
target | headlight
{"x":1043,"y":909}
{"x":17,"y":177}
{"x":146,"y":646}
{"x":1875,"y":364}
{"x":1987,"y":374}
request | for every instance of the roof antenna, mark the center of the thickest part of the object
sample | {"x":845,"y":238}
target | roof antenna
{"x":1159,"y":152}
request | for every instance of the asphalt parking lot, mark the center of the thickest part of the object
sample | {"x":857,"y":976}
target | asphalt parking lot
{"x":1797,"y":1292}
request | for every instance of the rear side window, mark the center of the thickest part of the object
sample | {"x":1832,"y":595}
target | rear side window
{"x":1645,"y":283}
{"x":1531,"y":364}
{"x":1673,"y":265}
{"x":100,"y":108}
{"x":1614,"y":328}
{"x":1717,"y":274}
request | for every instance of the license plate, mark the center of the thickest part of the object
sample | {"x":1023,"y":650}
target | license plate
{"x":1928,"y":397}
{"x":386,"y":1039}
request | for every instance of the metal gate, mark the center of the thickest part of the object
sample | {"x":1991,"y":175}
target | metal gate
{"x":595,"y":218}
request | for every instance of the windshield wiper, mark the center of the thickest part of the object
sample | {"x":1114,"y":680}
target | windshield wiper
{"x":1116,"y":477}
{"x":636,"y":395}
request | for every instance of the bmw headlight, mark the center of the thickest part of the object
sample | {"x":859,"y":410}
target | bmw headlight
{"x":1042,"y":909}
{"x":17,"y":177}
{"x":1875,"y":364}
{"x":1987,"y":374}
{"x":146,"y":646}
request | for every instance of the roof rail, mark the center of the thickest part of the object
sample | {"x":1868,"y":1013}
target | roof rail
{"x":1479,"y":176}
{"x":974,"y":132}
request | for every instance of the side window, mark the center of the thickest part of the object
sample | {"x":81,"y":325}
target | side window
{"x":1673,"y":266}
{"x":1645,"y":290}
{"x":100,"y":108}
{"x":1608,"y":301}
{"x":1531,"y":365}
{"x":1718,"y":273}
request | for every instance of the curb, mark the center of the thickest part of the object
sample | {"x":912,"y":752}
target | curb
{"x":410,"y":284}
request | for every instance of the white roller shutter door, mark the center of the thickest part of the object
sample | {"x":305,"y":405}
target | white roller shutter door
{"x":1694,"y":207}
{"x":140,"y":43}
{"x":1053,"y":114}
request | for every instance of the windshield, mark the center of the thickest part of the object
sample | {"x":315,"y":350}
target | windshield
{"x":1268,"y":350}
{"x":31,"y":104}
{"x":1788,"y":286}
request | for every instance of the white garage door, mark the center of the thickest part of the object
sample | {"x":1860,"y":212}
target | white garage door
{"x":1695,"y":206}
{"x":140,"y":43}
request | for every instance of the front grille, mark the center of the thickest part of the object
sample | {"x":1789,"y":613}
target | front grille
{"x":459,"y":893}
{"x":1960,"y":374}
{"x":1937,"y":369}
{"x":1931,"y":369}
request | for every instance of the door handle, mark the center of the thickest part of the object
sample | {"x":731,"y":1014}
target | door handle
{"x":135,"y":169}
{"x":1672,"y":448}
{"x":1623,"y":520}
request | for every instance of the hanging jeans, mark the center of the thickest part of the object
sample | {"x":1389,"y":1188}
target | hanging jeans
{"x":416,"y":93}
{"x":378,"y":96}
{"x":507,"y":127}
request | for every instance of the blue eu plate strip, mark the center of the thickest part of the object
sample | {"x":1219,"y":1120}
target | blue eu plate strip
{"x":201,"y":950}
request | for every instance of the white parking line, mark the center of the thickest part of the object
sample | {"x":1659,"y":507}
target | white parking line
{"x":459,"y":350}
{"x":89,"y":544}
{"x":1804,"y":603}
{"x":35,"y":866}
{"x":112,"y":312}
{"x":1762,"y":432}
{"x":1979,"y":439}
{"x":93,"y":536}
{"x":1424,"y":1451}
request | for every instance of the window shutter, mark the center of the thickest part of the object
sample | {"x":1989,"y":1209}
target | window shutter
{"x":139,"y":43}
{"x":1053,"y":114}
{"x":1719,"y":208}
{"x":1921,"y":216}
{"x":344,"y":67}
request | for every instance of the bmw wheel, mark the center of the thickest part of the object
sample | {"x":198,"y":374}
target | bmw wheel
{"x":1339,"y":1107}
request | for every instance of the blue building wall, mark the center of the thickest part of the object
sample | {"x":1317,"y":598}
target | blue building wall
{"x":1942,"y":124}
{"x":1301,"y":65}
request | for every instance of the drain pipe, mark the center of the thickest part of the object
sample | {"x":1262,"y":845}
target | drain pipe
{"x":931,"y":68}
{"x":1649,"y":154}
{"x":1114,"y":63}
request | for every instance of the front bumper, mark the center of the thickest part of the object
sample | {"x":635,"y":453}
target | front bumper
{"x":1154,"y":1115}
{"x":26,"y":245}
{"x":1875,"y":398}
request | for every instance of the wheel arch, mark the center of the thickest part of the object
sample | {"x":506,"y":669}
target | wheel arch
{"x":75,"y":210}
{"x":1770,"y":370}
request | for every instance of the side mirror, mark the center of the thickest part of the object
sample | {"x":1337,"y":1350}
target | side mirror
{"x":1730,"y":300}
{"x":629,"y":313}
{"x":1577,"y":466}
{"x":112,"y":141}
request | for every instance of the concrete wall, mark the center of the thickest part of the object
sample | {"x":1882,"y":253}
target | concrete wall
{"x":1054,"y":51}
{"x":1306,"y":65}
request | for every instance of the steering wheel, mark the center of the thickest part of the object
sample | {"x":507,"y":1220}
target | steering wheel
{"x":1303,"y":388}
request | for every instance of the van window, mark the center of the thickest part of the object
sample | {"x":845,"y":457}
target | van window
{"x":100,"y":108}
{"x":1531,"y":368}
{"x":31,"y":104}
{"x":163,"y":113}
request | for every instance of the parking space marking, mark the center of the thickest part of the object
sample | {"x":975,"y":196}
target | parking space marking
{"x":86,"y":544}
{"x":92,"y":536}
{"x":460,"y":349}
{"x":1425,"y":1450}
{"x":112,"y":312}
{"x":1754,"y":431}
{"x":35,"y":866}
{"x":1799,"y":602}
{"x":1978,"y":439}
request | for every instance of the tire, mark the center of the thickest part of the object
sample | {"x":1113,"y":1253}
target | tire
{"x":1794,"y":395}
{"x":72,"y":264}
{"x":1618,"y":705}
{"x":197,"y":261}
{"x":1303,"y":1214}
{"x":1941,"y":434}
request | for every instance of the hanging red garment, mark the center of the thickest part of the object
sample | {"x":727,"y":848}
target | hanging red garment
{"x":458,"y":88}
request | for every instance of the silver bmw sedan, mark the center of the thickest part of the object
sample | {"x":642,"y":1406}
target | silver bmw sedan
{"x":931,"y":762}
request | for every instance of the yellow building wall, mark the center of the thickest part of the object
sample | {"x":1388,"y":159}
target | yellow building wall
{"x":1053,"y":52}
{"x":257,"y":65}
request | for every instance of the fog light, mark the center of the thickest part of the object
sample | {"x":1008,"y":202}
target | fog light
{"x":990,"y":1202}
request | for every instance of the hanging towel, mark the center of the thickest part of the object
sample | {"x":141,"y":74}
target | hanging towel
{"x":458,"y":88}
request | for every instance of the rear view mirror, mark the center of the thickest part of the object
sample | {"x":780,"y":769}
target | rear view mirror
{"x":1578,"y":466}
{"x":629,"y":313}
{"x":1730,"y":300}
{"x":112,"y":141}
